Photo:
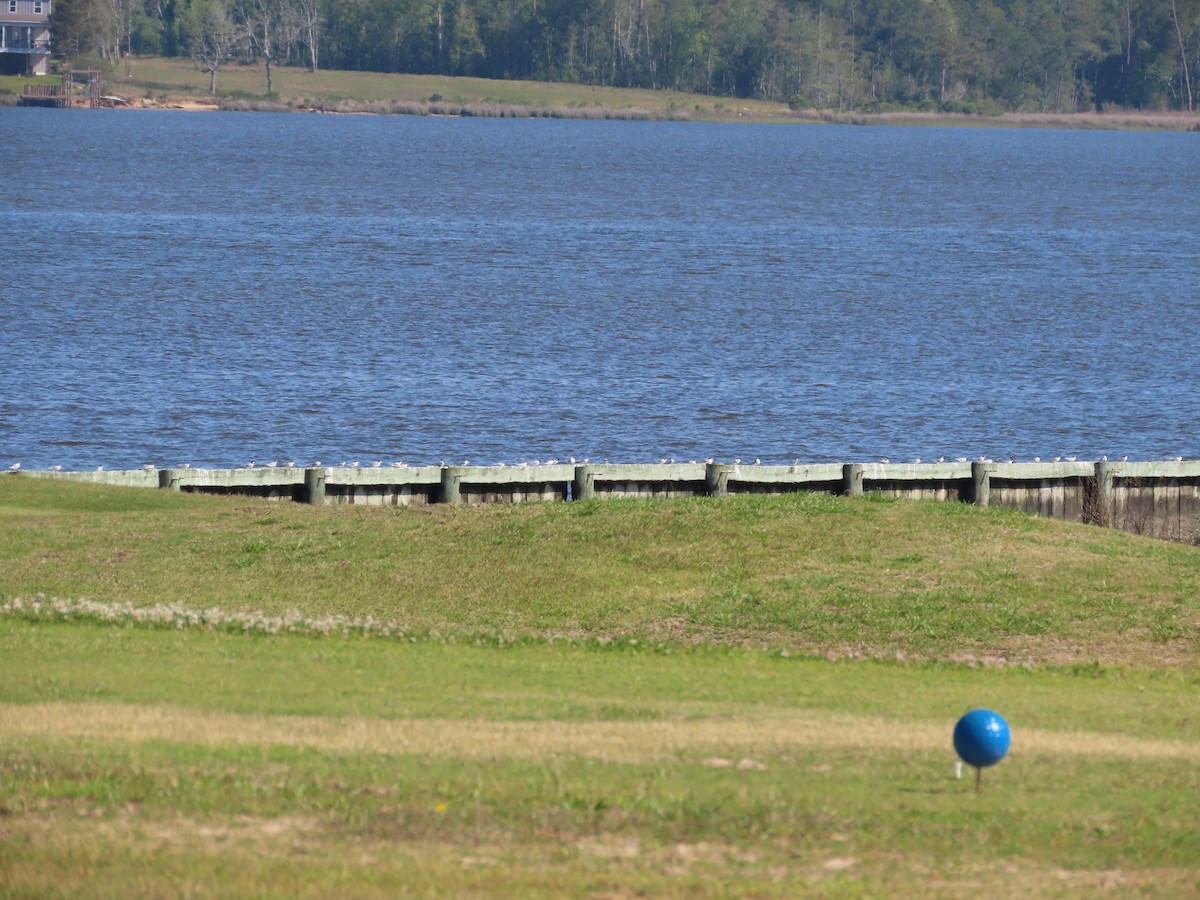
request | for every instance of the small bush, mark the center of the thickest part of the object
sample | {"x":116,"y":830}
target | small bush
{"x":251,"y":105}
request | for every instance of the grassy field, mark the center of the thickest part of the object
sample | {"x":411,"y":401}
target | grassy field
{"x":806,"y":572}
{"x":741,"y":697}
{"x":175,"y":80}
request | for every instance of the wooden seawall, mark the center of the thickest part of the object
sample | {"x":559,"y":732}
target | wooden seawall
{"x":1158,"y":498}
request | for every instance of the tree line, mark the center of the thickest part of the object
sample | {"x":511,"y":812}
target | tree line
{"x":952,"y":55}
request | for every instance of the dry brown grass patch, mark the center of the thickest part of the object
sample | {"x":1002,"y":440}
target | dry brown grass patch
{"x":770,"y":733}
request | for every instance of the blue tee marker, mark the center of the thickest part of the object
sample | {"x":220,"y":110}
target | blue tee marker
{"x":981,"y":739}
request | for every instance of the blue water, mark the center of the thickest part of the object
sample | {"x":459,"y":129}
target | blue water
{"x":220,"y":288}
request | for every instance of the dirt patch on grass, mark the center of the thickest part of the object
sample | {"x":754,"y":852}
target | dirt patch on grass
{"x":1027,"y":879}
{"x":243,"y":832}
{"x":1135,"y":651}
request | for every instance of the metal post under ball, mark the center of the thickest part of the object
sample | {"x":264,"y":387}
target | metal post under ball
{"x":981,"y":739}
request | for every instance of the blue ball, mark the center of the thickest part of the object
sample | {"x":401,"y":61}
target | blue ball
{"x":981,"y":738}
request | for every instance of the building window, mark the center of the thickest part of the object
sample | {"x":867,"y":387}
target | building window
{"x":12,"y":5}
{"x":37,"y":7}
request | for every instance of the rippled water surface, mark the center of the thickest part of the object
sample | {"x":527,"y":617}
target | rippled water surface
{"x":216,"y":288}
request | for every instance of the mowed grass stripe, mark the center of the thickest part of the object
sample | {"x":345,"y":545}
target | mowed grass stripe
{"x":617,"y":742}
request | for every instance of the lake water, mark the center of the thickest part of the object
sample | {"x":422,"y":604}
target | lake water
{"x":217,"y":288}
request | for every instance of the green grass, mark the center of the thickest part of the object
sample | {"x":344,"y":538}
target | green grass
{"x":809,"y":573}
{"x":180,"y":79}
{"x":611,"y":698}
{"x":243,"y":765}
{"x":377,"y":678}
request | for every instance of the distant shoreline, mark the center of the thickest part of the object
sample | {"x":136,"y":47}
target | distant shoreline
{"x":1114,"y":121}
{"x":157,"y":83}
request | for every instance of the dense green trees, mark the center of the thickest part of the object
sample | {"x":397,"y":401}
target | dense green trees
{"x":1054,"y":55}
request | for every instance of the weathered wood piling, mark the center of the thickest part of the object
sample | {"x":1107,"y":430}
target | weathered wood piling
{"x":1160,"y":498}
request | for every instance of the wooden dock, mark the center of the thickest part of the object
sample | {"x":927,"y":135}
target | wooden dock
{"x":79,"y":87}
{"x":1155,"y":498}
{"x":52,"y":95}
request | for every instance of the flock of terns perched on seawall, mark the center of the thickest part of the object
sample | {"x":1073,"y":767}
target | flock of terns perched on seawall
{"x":571,"y":460}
